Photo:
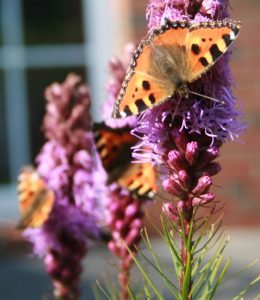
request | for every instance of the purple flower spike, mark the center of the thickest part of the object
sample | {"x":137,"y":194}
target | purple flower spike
{"x":184,"y":136}
{"x":67,"y":166}
{"x":125,"y":215}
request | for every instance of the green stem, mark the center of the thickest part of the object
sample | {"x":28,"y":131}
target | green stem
{"x":124,"y":281}
{"x":187,"y":235}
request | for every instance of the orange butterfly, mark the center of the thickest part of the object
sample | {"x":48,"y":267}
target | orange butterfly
{"x":114,"y":147}
{"x":35,"y":200}
{"x":169,"y":59}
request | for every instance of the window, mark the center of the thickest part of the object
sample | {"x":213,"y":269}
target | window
{"x":42,"y":41}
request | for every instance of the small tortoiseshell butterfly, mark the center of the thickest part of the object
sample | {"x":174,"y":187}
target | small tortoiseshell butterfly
{"x":114,"y":147}
{"x":35,"y":200}
{"x":168,"y":60}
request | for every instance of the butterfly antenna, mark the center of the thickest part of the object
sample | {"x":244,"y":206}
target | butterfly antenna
{"x":176,"y":110}
{"x":207,"y":97}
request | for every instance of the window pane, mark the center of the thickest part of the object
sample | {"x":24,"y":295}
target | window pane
{"x":4,"y":174}
{"x":37,"y":81}
{"x":52,"y":22}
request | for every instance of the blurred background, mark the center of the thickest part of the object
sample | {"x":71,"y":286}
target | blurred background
{"x":41,"y":42}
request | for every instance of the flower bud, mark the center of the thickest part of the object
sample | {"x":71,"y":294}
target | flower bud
{"x":185,"y":180}
{"x":170,"y":211}
{"x":173,"y":187}
{"x":207,"y":157}
{"x":181,"y":140}
{"x":177,"y":161}
{"x":132,"y":236}
{"x":137,"y":223}
{"x":203,"y":185}
{"x":203,"y":199}
{"x":192,"y":153}
{"x":212,"y":169}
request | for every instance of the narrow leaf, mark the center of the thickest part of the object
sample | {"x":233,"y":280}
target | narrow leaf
{"x":145,"y":276}
{"x":105,"y":293}
{"x":253,"y":282}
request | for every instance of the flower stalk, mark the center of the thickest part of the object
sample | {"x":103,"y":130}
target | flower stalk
{"x":66,"y":165}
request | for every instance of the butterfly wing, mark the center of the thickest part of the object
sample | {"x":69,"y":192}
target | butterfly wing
{"x":140,"y":180}
{"x":35,"y":200}
{"x":114,"y":148}
{"x":139,"y":90}
{"x":206,"y":42}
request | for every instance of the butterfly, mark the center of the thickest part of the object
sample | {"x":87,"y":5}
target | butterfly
{"x":170,"y":58}
{"x":114,"y":148}
{"x":35,"y":199}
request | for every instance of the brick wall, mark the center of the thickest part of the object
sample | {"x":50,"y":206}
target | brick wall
{"x":239,"y":182}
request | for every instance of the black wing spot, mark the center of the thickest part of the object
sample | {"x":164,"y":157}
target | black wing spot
{"x":136,"y":89}
{"x":133,"y":95}
{"x":215,"y":52}
{"x":236,"y":31}
{"x":204,"y":61}
{"x":127,"y":111}
{"x":210,"y":39}
{"x":140,"y":105}
{"x":226,"y":38}
{"x":146,"y":85}
{"x":195,"y":48}
{"x":203,"y":40}
{"x":152,"y":98}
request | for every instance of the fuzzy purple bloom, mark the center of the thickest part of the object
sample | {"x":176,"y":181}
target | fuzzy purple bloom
{"x":62,"y":242}
{"x":67,"y":165}
{"x":125,"y":220}
{"x":184,"y":136}
{"x":220,"y":122}
{"x":194,"y":11}
{"x":117,"y":69}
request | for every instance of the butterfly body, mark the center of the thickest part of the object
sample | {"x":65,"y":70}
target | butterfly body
{"x":169,"y":67}
{"x":167,"y":61}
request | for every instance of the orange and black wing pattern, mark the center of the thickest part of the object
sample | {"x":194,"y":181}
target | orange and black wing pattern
{"x":206,"y":42}
{"x":139,"y":90}
{"x":114,"y":148}
{"x":203,"y":44}
{"x":35,"y":200}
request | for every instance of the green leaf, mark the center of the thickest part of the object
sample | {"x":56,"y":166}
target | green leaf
{"x":242,"y":270}
{"x":177,"y":262}
{"x":147,"y":292}
{"x":96,"y":293}
{"x":253,"y":282}
{"x":145,"y":276}
{"x":205,"y":273}
{"x":157,"y":265}
{"x":257,"y":297}
{"x":168,"y":283}
{"x":219,"y":280}
{"x":131,"y":294}
{"x":104,"y":292}
{"x":187,"y":275}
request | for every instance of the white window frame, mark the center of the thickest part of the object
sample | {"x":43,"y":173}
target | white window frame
{"x":99,"y":27}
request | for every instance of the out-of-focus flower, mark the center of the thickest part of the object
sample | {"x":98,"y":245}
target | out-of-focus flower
{"x":125,"y":220}
{"x":117,"y":69}
{"x":67,"y":165}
